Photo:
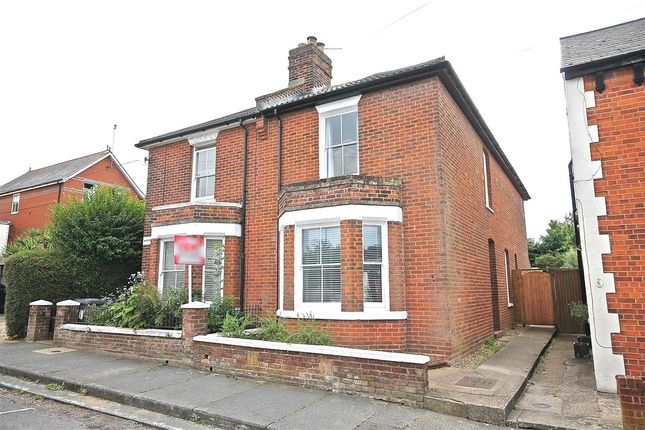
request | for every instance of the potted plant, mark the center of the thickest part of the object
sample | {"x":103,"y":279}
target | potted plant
{"x":580,"y":311}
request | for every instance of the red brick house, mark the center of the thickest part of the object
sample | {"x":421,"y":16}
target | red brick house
{"x":603,"y":72}
{"x":383,"y":207}
{"x":26,"y":200}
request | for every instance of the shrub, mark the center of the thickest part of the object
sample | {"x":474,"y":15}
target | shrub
{"x":579,"y":310}
{"x":233,"y":326}
{"x":32,"y":239}
{"x":272,"y":328}
{"x":309,"y":333}
{"x":34,"y":275}
{"x":220,"y":307}
{"x":169,"y":313}
{"x":136,"y":307}
{"x":104,"y":232}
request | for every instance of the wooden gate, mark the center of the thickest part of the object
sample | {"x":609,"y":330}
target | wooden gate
{"x":543,"y":298}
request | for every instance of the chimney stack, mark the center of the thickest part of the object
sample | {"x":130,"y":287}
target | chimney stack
{"x":309,"y":66}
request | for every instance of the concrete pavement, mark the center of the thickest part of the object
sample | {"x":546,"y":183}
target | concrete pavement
{"x":562,"y":394}
{"x":223,"y":401}
{"x":489,"y":392}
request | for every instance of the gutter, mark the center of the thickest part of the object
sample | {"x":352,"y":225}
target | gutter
{"x":584,"y":69}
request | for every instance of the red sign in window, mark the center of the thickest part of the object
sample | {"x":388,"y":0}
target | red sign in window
{"x":189,"y":250}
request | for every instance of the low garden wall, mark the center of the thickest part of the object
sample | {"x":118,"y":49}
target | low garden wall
{"x":390,"y":376}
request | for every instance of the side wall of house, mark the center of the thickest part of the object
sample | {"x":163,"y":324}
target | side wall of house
{"x":607,"y":146}
{"x":35,"y":204}
{"x":33,"y":211}
{"x":469,"y":225}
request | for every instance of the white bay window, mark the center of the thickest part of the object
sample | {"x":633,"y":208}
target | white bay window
{"x":321,"y":277}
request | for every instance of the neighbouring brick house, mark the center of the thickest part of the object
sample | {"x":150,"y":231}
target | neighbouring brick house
{"x":383,"y":207}
{"x":25,"y":201}
{"x":603,"y":72}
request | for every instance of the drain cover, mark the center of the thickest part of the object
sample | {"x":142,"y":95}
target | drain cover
{"x":476,"y":382}
{"x":51,"y":351}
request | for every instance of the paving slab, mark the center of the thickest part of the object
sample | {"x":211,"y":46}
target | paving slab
{"x":390,"y":416}
{"x":488,"y":393}
{"x":261,"y":406}
{"x":100,"y":370}
{"x":348,"y":413}
{"x":180,"y":399}
{"x":123,"y":387}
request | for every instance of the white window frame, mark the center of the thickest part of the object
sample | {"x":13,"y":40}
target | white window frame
{"x":486,"y":183}
{"x":299,"y":304}
{"x":506,"y":276}
{"x":15,"y":203}
{"x":385,"y":268}
{"x":162,"y":249}
{"x":329,"y":110}
{"x":193,"y":192}
{"x":223,"y":239}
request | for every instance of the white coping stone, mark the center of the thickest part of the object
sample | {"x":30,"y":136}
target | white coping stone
{"x":68,"y":303}
{"x":315,"y":349}
{"x":150,"y":332}
{"x":195,"y":305}
{"x":41,"y":303}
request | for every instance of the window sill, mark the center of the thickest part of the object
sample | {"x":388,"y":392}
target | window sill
{"x":375,"y":315}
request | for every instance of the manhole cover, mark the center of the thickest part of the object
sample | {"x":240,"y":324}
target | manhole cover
{"x":51,"y":351}
{"x":476,"y":382}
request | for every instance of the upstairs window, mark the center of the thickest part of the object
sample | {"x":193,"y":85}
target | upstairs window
{"x":15,"y":203}
{"x":372,"y":264}
{"x":88,"y":190}
{"x":204,"y":173}
{"x":488,"y":195}
{"x":341,"y":144}
{"x":321,"y":278}
{"x":338,"y":136}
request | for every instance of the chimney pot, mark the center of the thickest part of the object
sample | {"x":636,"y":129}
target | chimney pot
{"x":309,"y":66}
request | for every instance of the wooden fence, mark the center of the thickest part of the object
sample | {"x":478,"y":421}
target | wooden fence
{"x":543,"y":298}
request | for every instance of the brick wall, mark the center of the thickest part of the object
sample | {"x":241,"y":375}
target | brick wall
{"x":397,"y":382}
{"x":620,"y":117}
{"x":468,"y":227}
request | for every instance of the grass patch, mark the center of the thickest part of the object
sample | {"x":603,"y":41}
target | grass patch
{"x":196,"y":419}
{"x":52,"y":386}
{"x":24,"y":393}
{"x":83,"y":391}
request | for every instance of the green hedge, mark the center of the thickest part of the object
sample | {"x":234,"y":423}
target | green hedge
{"x":49,"y":275}
{"x":30,"y":276}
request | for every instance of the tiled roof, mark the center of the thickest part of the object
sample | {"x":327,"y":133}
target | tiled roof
{"x":228,"y":119}
{"x":602,"y":44}
{"x":52,"y":174}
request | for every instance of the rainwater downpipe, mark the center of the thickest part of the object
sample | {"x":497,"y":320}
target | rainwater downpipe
{"x":277,"y":242}
{"x":243,"y":215}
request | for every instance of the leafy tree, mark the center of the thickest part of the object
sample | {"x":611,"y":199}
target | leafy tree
{"x":106,"y":227}
{"x":557,"y":248}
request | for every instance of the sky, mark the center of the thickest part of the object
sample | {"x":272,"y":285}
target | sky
{"x":70,"y":70}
